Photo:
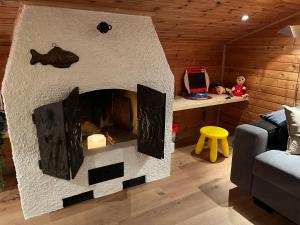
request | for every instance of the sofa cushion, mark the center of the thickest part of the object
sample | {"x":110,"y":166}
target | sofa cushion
{"x":293,"y":122}
{"x":276,"y":117}
{"x":279,"y":169}
{"x":277,"y":136}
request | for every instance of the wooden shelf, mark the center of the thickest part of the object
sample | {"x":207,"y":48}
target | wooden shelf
{"x":181,"y":103}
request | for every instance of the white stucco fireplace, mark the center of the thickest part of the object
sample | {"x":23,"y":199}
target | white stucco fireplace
{"x":128,"y":57}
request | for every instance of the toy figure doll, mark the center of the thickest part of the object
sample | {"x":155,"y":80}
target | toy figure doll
{"x":239,"y":89}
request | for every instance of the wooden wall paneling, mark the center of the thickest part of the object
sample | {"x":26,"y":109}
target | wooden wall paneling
{"x":190,"y":122}
{"x":189,"y":57}
{"x":270,"y":62}
{"x":8,"y":13}
{"x":9,"y":171}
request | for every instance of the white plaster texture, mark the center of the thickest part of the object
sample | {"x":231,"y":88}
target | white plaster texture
{"x":128,"y":54}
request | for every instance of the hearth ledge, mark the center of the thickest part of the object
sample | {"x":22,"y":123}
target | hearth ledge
{"x":132,"y":143}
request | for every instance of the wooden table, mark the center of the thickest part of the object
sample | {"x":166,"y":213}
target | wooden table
{"x":181,"y":103}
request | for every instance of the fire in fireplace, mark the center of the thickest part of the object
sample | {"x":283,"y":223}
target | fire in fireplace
{"x":107,"y":117}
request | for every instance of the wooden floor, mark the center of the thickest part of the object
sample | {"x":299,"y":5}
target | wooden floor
{"x":196,"y":193}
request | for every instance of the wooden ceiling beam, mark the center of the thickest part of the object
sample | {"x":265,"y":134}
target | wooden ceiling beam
{"x":263,"y":28}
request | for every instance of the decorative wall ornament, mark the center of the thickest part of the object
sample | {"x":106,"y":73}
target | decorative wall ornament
{"x":104,"y":27}
{"x":56,"y":57}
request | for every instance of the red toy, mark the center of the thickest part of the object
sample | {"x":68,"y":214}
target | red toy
{"x":239,"y":89}
{"x":196,"y":80}
{"x":175,"y":130}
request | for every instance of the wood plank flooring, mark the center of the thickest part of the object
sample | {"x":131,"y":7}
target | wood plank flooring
{"x":197,"y":192}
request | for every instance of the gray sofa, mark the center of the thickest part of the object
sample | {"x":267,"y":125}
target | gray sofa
{"x":272,"y":176}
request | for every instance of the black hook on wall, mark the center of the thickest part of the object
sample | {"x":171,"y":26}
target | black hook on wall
{"x":104,"y":27}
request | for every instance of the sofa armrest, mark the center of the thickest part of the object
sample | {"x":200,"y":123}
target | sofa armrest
{"x":249,"y":141}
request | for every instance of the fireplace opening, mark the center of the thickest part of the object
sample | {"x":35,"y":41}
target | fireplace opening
{"x":94,"y":120}
{"x":107,"y":117}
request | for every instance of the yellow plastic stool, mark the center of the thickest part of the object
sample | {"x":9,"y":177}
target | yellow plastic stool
{"x":213,"y":133}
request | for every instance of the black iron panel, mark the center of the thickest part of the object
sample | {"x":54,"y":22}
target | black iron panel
{"x":78,"y":198}
{"x":106,"y":173}
{"x":49,"y":120}
{"x":134,"y":182}
{"x":151,"y":106}
{"x":73,"y":131}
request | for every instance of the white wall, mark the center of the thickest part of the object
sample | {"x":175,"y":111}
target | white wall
{"x":129,"y":54}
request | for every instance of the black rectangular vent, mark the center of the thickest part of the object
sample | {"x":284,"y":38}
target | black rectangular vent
{"x":134,"y":182}
{"x":106,"y":173}
{"x":78,"y":198}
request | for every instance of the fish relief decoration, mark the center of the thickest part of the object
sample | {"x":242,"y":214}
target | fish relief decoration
{"x":56,"y":57}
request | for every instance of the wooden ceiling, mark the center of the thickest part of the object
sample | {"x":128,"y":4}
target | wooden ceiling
{"x":178,"y":22}
{"x":179,"y":19}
